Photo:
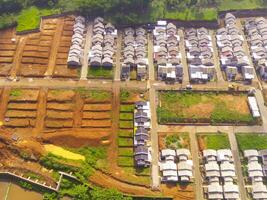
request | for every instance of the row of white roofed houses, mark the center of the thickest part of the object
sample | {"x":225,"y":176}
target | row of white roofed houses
{"x":142,"y":116}
{"x":219,"y":173}
{"x":77,"y":43}
{"x":256,"y":31}
{"x":199,"y":55}
{"x":134,"y":53}
{"x":257,"y":172}
{"x":175,"y":165}
{"x":167,"y":55}
{"x":233,"y":57}
{"x":103,"y":44}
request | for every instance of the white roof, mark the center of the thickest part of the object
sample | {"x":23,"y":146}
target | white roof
{"x":250,"y":153}
{"x":168,"y":152}
{"x":209,"y":152}
{"x":169,"y":173}
{"x":182,"y":152}
{"x":168,"y":165}
{"x":215,"y":191}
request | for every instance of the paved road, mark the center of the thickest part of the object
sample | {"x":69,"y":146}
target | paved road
{"x":151,"y":68}
{"x":117,"y":75}
{"x":87,"y":47}
{"x":237,"y":162}
{"x":195,"y":157}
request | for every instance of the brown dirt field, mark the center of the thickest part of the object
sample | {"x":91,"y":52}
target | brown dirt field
{"x":52,"y":123}
{"x":22,"y":106}
{"x":32,"y":70}
{"x":26,"y":95}
{"x":33,"y":54}
{"x":96,"y":115}
{"x":201,"y":143}
{"x":59,"y":114}
{"x":106,"y":181}
{"x":60,"y":95}
{"x":4,"y":102}
{"x":202,"y":110}
{"x":8,"y":47}
{"x":6,"y":59}
{"x":7,"y":53}
{"x":21,"y":113}
{"x":65,"y":72}
{"x":60,"y":106}
{"x":31,"y":145}
{"x":96,"y":123}
{"x":18,"y":122}
{"x":98,"y":107}
{"x":5,"y":69}
{"x":178,"y":192}
{"x":76,"y":137}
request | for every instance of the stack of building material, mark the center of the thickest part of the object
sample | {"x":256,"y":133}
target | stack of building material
{"x":76,"y":49}
{"x":166,"y":52}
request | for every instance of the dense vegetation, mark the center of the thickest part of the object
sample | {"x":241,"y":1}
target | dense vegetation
{"x":188,"y":107}
{"x":29,"y":12}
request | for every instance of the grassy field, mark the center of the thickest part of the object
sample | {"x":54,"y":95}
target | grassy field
{"x":127,"y":108}
{"x":98,"y":95}
{"x":251,"y":141}
{"x":100,"y":73}
{"x":126,"y":116}
{"x":182,"y":107}
{"x":239,"y":4}
{"x":30,"y":18}
{"x":213,"y":141}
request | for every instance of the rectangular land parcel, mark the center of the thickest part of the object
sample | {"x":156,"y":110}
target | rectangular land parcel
{"x":203,"y":107}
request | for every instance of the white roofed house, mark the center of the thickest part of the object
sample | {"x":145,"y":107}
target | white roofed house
{"x":212,"y":171}
{"x":168,"y":154}
{"x":255,"y":172}
{"x":259,"y":191}
{"x":95,"y":61}
{"x":183,"y":154}
{"x":227,"y":170}
{"x":251,"y":155}
{"x":215,"y":191}
{"x":142,"y":119}
{"x":253,"y":106}
{"x":143,"y":105}
{"x":230,"y":191}
{"x":169,"y":171}
{"x":210,"y":155}
{"x":185,"y":171}
{"x":107,"y":62}
{"x":224,"y":155}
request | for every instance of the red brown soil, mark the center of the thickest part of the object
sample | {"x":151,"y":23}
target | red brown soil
{"x":60,"y":95}
{"x":20,"y":122}
{"x":106,"y":181}
{"x":4,"y":102}
{"x":178,"y":192}
{"x":21,"y":113}
{"x":60,"y":106}
{"x":22,"y":106}
{"x":59,"y":114}
{"x":201,"y":143}
{"x":98,"y":107}
{"x":96,"y":123}
{"x":76,"y":137}
{"x":96,"y":115}
{"x":26,"y":95}
{"x":59,"y":123}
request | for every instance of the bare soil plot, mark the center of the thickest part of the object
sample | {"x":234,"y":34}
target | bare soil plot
{"x":7,"y":50}
{"x":96,"y":115}
{"x":203,"y":107}
{"x":99,"y":107}
{"x":61,"y":68}
{"x":22,"y":108}
{"x":36,"y":52}
{"x":60,"y":108}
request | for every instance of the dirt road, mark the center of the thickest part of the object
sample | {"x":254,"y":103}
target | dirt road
{"x":117,"y":75}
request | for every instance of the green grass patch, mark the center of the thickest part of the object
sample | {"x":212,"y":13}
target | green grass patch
{"x":177,"y":140}
{"x":215,"y":140}
{"x":29,"y":19}
{"x":127,"y":108}
{"x":125,"y":142}
{"x":125,"y":161}
{"x":7,"y":20}
{"x":240,"y":4}
{"x":124,"y":95}
{"x":16,"y":92}
{"x":126,"y":116}
{"x":126,"y":124}
{"x":97,"y":95}
{"x":126,"y":152}
{"x":251,"y":141}
{"x":100,"y":73}
{"x":142,"y":171}
{"x":125,"y":133}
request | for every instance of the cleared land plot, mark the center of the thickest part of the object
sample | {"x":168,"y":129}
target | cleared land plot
{"x":7,"y":50}
{"x":174,"y":140}
{"x":200,"y":107}
{"x":94,"y":96}
{"x":213,"y":141}
{"x":22,"y":108}
{"x":251,"y":141}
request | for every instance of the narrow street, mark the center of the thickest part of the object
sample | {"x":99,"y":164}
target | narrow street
{"x":150,"y":51}
{"x":117,"y":74}
{"x":87,"y":47}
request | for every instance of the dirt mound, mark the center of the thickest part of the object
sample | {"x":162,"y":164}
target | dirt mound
{"x":76,"y":137}
{"x":31,"y":146}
